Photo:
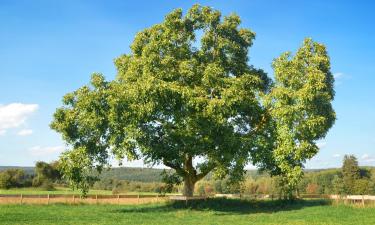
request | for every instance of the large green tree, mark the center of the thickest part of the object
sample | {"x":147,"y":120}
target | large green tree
{"x":186,"y":97}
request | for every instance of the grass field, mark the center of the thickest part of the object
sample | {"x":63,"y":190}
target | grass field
{"x":214,"y":211}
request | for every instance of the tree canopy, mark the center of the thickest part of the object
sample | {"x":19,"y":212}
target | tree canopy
{"x":187,"y":97}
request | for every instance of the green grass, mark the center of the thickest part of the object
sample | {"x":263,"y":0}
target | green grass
{"x":214,"y":211}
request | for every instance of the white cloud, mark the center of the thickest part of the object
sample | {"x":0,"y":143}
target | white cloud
{"x":2,"y":132}
{"x":14,"y":115}
{"x":25,"y":132}
{"x":336,"y":156}
{"x":321,"y":144}
{"x":41,"y":151}
{"x":367,"y":158}
{"x":338,"y":75}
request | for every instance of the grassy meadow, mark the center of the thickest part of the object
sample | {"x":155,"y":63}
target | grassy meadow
{"x":213,"y":211}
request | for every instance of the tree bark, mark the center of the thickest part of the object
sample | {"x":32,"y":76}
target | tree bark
{"x":190,"y":177}
{"x":189,"y":185}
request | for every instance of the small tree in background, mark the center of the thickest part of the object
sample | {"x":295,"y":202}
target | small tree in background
{"x":350,"y":173}
{"x":13,"y":178}
{"x":46,"y":174}
{"x":5,"y":180}
{"x":338,"y":185}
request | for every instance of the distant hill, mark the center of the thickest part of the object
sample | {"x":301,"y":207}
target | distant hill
{"x":120,"y":173}
{"x":133,"y":174}
{"x":152,"y":175}
{"x":27,"y":169}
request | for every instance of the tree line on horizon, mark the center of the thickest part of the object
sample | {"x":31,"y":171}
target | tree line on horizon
{"x":349,"y":179}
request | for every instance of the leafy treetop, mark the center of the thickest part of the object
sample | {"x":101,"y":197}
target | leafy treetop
{"x":187,"y":92}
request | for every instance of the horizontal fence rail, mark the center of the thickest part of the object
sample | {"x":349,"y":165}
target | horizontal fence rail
{"x":144,"y":199}
{"x":74,"y":199}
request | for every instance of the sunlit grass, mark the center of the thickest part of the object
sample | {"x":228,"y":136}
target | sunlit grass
{"x":213,"y":211}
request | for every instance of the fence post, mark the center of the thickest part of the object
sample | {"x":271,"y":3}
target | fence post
{"x":157,"y":198}
{"x":363,"y":200}
{"x":48,"y":199}
{"x":74,"y":199}
{"x":138,"y":198}
{"x":21,"y":200}
{"x":96,"y":198}
{"x":118,"y":199}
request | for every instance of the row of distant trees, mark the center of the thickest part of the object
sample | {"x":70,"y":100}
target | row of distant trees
{"x":46,"y":174}
{"x":350,"y":179}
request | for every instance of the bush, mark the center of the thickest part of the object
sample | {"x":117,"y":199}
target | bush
{"x":5,"y":181}
{"x":47,"y":186}
{"x":312,"y":188}
{"x":13,"y":178}
{"x":362,"y":187}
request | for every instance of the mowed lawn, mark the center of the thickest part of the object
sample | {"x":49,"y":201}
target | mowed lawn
{"x":215,"y":211}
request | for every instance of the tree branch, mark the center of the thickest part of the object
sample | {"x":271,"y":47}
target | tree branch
{"x":178,"y":169}
{"x":208,"y":169}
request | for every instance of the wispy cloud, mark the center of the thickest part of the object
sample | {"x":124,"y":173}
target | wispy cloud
{"x":321,"y":144}
{"x":41,"y":151}
{"x":367,"y":158}
{"x":338,"y":75}
{"x":14,"y":115}
{"x":336,"y":156}
{"x":25,"y":132}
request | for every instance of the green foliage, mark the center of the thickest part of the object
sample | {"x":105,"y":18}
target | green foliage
{"x":124,"y":186}
{"x":46,"y":174}
{"x":5,"y":180}
{"x":350,"y":173}
{"x":338,"y":185}
{"x":363,"y":187}
{"x":300,"y":105}
{"x":13,"y":178}
{"x":170,"y":180}
{"x":133,"y":174}
{"x":177,"y":98}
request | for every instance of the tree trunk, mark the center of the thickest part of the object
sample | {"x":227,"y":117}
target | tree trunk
{"x":188,"y":186}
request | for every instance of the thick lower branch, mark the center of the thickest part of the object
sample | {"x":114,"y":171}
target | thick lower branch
{"x":177,"y":168}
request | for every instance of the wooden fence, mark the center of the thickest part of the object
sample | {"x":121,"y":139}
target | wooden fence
{"x":76,"y":199}
{"x":347,"y":198}
{"x":143,"y":199}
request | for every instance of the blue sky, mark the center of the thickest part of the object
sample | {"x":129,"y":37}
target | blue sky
{"x":49,"y":48}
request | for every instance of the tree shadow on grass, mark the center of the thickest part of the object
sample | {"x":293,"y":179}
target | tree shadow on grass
{"x":233,"y":206}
